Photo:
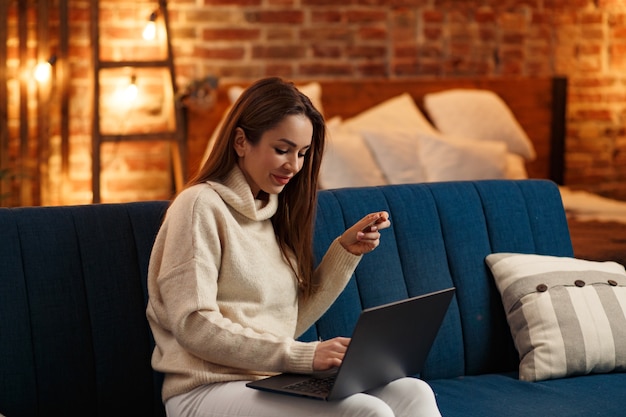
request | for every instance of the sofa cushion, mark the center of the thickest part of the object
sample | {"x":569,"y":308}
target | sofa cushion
{"x":505,"y":395}
{"x":567,"y":316}
{"x":347,"y":161}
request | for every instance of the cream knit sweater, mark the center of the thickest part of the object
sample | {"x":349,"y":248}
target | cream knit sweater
{"x":223,"y":302}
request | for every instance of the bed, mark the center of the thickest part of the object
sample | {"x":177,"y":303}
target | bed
{"x":491,"y":128}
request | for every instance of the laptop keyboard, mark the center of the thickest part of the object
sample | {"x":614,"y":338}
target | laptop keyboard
{"x":314,"y":385}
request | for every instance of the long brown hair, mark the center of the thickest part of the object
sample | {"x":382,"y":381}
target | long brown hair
{"x":261,"y":107}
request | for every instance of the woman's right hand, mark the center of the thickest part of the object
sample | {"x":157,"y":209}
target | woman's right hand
{"x":329,"y":353}
{"x":364,"y":235}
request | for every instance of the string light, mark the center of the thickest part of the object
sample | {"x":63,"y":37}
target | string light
{"x":149,"y":32}
{"x":43,"y":70}
{"x":130,"y":94}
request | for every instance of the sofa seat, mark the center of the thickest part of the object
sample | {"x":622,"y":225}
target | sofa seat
{"x":504,"y":395}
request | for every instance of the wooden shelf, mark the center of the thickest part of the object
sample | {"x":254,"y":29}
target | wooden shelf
{"x":177,"y":137}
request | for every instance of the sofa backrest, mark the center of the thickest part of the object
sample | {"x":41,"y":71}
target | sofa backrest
{"x":73,"y":330}
{"x":440,"y":235}
{"x":74,"y":336}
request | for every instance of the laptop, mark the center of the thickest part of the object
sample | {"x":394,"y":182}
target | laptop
{"x":390,"y":341}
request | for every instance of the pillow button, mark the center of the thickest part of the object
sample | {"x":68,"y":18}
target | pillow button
{"x":579,"y":283}
{"x":612,"y":283}
{"x":542,"y":288}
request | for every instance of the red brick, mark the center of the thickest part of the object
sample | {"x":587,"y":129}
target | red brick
{"x":328,"y":69}
{"x":281,"y":34}
{"x":343,"y":34}
{"x":405,"y":68}
{"x":366,"y":52}
{"x":592,"y":49}
{"x":366,"y":16}
{"x":293,"y":51}
{"x":586,"y":82}
{"x":327,"y":16}
{"x":590,"y":18}
{"x":487,"y":34}
{"x":229,"y":53}
{"x":371,"y":69}
{"x":541,"y":17}
{"x":372,"y":33}
{"x":408,"y":51}
{"x":404,"y":18}
{"x":432,"y":33}
{"x":321,"y":3}
{"x":595,"y":115}
{"x":397,"y":3}
{"x":281,"y":2}
{"x":619,"y":33}
{"x":275,"y":16}
{"x":232,"y":2}
{"x":617,"y":19}
{"x":432,"y":16}
{"x":230,"y":34}
{"x":327,"y":51}
{"x":513,"y":38}
{"x":485,"y":15}
{"x":280,"y":70}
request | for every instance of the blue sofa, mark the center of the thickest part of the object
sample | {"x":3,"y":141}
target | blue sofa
{"x":75,"y":341}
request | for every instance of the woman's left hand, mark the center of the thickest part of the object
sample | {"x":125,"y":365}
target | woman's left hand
{"x":364,"y":236}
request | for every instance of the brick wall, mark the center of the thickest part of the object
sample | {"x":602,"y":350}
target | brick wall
{"x":247,"y":39}
{"x":583,"y":40}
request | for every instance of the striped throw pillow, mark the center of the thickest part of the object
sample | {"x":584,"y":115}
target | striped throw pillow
{"x":567,"y":316}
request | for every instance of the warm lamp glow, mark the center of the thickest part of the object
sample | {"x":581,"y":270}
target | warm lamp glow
{"x":43,"y":70}
{"x":130,"y":93}
{"x":149,"y":32}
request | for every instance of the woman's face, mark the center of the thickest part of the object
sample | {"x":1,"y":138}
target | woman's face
{"x":277,"y":157}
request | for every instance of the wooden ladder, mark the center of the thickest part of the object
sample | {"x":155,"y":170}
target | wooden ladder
{"x":176,"y":136}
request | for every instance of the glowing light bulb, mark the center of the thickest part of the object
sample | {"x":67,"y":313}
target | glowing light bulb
{"x":130,"y":93}
{"x":149,"y":32}
{"x":42,"y":72}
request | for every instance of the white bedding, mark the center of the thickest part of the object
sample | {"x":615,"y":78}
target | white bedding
{"x":586,"y":206}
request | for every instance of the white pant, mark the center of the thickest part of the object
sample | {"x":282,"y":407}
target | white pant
{"x":406,"y":397}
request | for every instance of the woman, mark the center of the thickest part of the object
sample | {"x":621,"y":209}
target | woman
{"x":232,"y":280}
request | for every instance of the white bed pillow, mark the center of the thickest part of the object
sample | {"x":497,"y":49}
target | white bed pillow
{"x":567,"y":316}
{"x":397,"y":154}
{"x":234,"y":92}
{"x":350,"y":162}
{"x":515,"y":167}
{"x":447,"y":158}
{"x":398,"y":112}
{"x":416,"y":156}
{"x":480,"y":115}
{"x":347,"y":161}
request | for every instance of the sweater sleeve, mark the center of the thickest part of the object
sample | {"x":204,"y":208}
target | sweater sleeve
{"x":332,"y":274}
{"x":186,"y":272}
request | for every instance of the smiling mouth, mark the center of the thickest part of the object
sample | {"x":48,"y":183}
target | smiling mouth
{"x":281,"y":179}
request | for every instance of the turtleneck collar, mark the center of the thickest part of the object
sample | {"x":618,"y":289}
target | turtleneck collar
{"x":236,"y":192}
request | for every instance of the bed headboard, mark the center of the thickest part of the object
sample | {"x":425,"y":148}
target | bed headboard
{"x":538,"y":103}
